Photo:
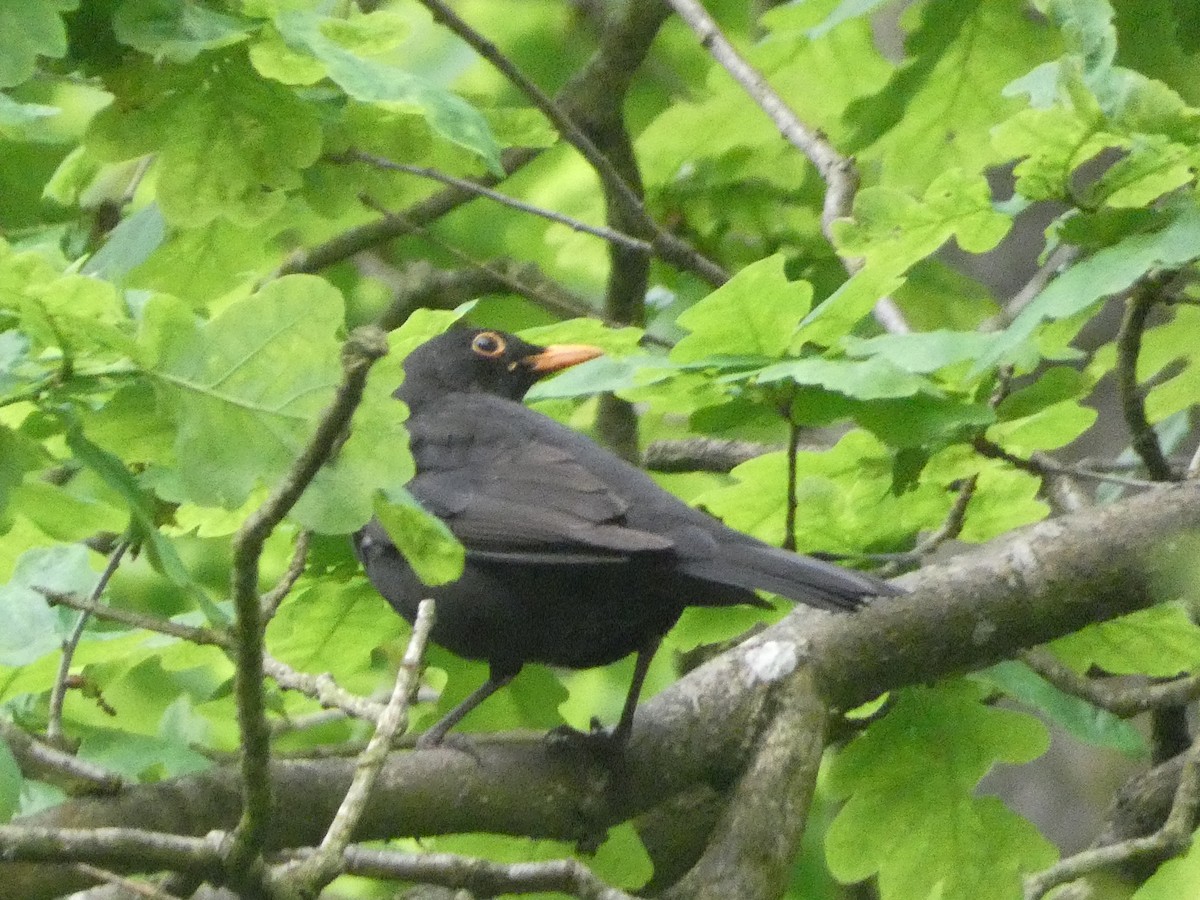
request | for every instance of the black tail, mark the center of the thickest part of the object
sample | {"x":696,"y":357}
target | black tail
{"x":751,"y":564}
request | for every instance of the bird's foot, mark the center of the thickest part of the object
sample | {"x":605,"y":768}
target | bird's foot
{"x":598,"y":742}
{"x":433,"y":740}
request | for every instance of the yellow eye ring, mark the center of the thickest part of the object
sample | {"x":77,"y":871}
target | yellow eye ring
{"x":488,"y":344}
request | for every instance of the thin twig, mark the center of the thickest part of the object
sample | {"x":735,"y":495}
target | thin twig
{"x":58,"y":695}
{"x":556,"y":302}
{"x":271,"y":599}
{"x":323,"y":689}
{"x":482,"y":878}
{"x":1041,"y":465}
{"x":950,"y":528}
{"x":153,"y":850}
{"x":292,"y":724}
{"x":1173,"y":838}
{"x":362,"y":348}
{"x":326,"y":863}
{"x":1060,"y":258}
{"x":192,"y":633}
{"x":1121,"y":701}
{"x":837,"y":171}
{"x":362,"y":237}
{"x":789,"y":519}
{"x":466,"y":184}
{"x":48,"y":763}
{"x":953,"y":524}
{"x":1133,"y":405}
{"x":668,"y":246}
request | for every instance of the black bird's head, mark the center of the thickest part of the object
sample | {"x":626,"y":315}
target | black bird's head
{"x":482,"y":360}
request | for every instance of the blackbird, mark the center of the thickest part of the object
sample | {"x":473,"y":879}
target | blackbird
{"x":574,"y":557}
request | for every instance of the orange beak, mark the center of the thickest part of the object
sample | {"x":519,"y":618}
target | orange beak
{"x":557,"y":357}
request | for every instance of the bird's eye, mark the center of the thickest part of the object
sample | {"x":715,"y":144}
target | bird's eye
{"x":488,"y":344}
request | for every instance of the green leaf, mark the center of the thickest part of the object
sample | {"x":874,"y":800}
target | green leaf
{"x":29,"y":627}
{"x":922,"y":353}
{"x":922,"y":420}
{"x":613,"y":341}
{"x":129,"y":245}
{"x":198,"y":264}
{"x":1103,"y":274}
{"x":893,"y":230}
{"x":755,"y":313}
{"x":433,"y":552}
{"x":1175,"y":879}
{"x":1045,"y":415}
{"x":10,"y":783}
{"x":18,"y":455}
{"x":1054,"y":143}
{"x":177,"y":30}
{"x":599,"y":375}
{"x":1153,"y":166}
{"x":1005,"y":497}
{"x":929,"y":753}
{"x":228,"y":143}
{"x":1167,"y":359}
{"x":622,"y":860}
{"x":333,"y":627}
{"x":29,"y":30}
{"x":342,"y":496}
{"x":680,"y":148}
{"x":844,"y":495}
{"x":1160,"y":642}
{"x":1088,"y":723}
{"x":65,"y":515}
{"x":937,"y":111}
{"x":246,"y":388}
{"x":140,"y":756}
{"x":870,"y":379}
{"x":113,"y":473}
{"x":374,"y":82}
{"x":24,"y":121}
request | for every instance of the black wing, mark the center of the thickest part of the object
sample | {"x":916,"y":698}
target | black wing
{"x":526,"y":502}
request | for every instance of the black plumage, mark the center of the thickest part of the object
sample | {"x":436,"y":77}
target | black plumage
{"x":574,"y":558}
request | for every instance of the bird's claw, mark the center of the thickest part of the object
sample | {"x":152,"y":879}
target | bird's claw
{"x":433,"y":741}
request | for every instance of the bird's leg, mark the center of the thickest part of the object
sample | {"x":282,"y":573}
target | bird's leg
{"x":437,"y":733}
{"x":645,"y":654}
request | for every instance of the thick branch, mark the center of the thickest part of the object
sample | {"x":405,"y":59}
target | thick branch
{"x":1038,"y":584}
{"x":751,"y":851}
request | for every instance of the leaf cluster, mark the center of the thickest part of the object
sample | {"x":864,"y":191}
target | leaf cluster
{"x":202,"y":201}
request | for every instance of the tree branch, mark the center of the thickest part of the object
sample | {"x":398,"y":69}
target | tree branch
{"x":837,"y":171}
{"x":314,"y":874}
{"x":751,"y":851}
{"x":58,"y":694}
{"x":480,"y":877}
{"x":361,"y":350}
{"x":701,"y":454}
{"x":271,"y":599}
{"x":1119,"y":700}
{"x":1038,"y":584}
{"x":1173,"y":838}
{"x":1133,"y":405}
{"x":606,"y":234}
{"x":40,"y":760}
{"x":590,"y":100}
